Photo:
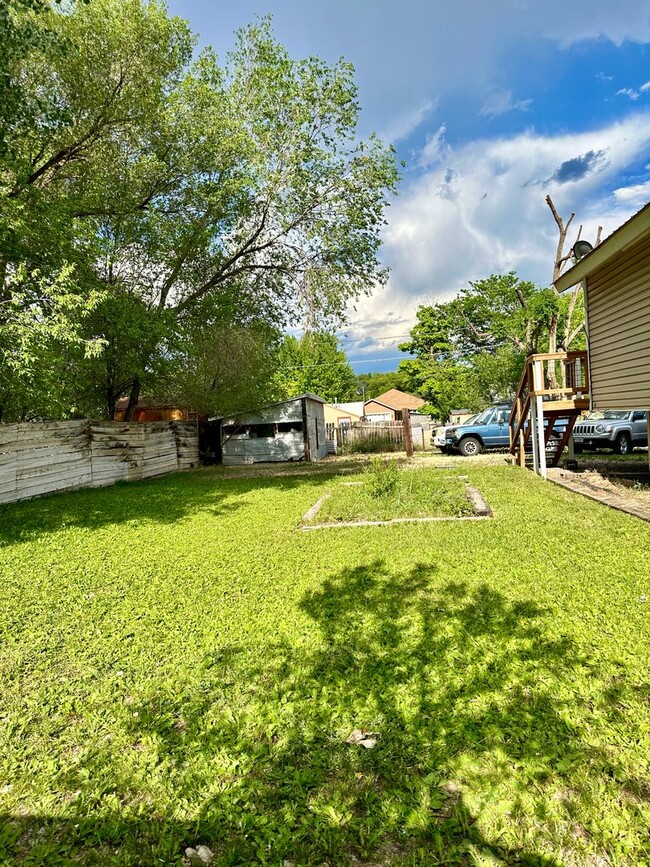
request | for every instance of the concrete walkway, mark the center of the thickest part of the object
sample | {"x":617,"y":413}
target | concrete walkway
{"x":578,"y":484}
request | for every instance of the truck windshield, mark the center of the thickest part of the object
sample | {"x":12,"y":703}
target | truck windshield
{"x":482,"y":418}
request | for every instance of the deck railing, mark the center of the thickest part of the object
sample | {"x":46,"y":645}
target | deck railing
{"x":552,"y":384}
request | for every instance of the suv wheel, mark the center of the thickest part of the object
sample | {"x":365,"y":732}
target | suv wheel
{"x":623,"y":444}
{"x":470,"y":446}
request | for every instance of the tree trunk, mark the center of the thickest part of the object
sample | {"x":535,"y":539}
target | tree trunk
{"x":111,"y":401}
{"x":133,"y":400}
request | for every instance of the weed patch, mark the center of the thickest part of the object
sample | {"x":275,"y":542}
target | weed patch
{"x":385,"y":493}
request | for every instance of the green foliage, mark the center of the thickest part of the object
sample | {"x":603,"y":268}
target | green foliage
{"x":181,"y":666}
{"x":221,"y":368}
{"x":470,"y":351}
{"x":382,"y":477}
{"x":387,"y":492}
{"x":43,"y":328}
{"x":445,"y":385}
{"x":172,"y":184}
{"x":314,"y":363}
{"x":371,"y":385}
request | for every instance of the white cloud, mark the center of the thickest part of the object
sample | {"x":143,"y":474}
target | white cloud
{"x":628,"y":91}
{"x":434,"y":149}
{"x":637,"y":193}
{"x":632,"y":93}
{"x":500,"y":101}
{"x":481,"y":210}
{"x":405,"y":124}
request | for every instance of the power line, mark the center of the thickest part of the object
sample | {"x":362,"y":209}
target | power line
{"x":369,"y":360}
{"x":309,"y":364}
{"x":374,"y":339}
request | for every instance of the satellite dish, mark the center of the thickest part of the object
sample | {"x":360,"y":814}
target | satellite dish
{"x":581,"y":249}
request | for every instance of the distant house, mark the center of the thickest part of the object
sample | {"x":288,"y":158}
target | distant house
{"x":338,"y":414}
{"x":148,"y":409}
{"x":291,"y":430}
{"x":380,"y":413}
{"x":354,"y":407}
{"x":616,"y":276}
{"x":389,"y":406}
{"x":458,"y":416}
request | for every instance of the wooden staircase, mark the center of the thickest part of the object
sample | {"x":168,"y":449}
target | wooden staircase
{"x":553,"y":391}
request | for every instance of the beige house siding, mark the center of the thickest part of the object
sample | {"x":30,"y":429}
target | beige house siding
{"x":336,"y":416}
{"x":379,"y":412}
{"x":618,"y":304}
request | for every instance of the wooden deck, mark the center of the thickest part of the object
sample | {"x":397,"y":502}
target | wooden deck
{"x":554,"y":387}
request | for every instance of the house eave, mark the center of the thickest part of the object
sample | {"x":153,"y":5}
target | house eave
{"x":616,"y":243}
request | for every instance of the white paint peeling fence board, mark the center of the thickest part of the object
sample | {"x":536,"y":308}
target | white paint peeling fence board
{"x":43,"y":457}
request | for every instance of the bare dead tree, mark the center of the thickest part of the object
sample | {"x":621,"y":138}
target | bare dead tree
{"x":560,"y":264}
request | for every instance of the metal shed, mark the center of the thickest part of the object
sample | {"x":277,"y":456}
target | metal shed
{"x":290,"y":430}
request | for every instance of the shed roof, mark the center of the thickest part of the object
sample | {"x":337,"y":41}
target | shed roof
{"x":275,"y":403}
{"x":619,"y":240}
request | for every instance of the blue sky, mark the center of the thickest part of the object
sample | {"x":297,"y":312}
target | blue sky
{"x":493,"y":105}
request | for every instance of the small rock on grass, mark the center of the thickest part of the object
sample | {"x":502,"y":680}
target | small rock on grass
{"x":366,"y":739}
{"x":198,"y":857}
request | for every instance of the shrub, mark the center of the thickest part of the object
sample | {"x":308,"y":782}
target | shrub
{"x":383,"y":477}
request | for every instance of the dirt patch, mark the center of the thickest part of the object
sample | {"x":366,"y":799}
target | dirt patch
{"x":623,"y":487}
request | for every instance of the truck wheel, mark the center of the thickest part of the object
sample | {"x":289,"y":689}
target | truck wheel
{"x":470,"y":446}
{"x":623,"y":444}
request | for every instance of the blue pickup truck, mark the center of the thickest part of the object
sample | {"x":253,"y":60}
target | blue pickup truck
{"x":490,"y":430}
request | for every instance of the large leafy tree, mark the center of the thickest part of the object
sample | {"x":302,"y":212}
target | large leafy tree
{"x":470,"y":350}
{"x":166,"y":185}
{"x":314,"y":363}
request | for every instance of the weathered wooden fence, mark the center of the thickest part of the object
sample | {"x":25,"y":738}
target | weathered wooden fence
{"x":40,"y":457}
{"x":390,"y":435}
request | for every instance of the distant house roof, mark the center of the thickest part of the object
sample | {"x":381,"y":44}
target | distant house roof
{"x":397,"y":399}
{"x":623,"y":237}
{"x":379,"y":403}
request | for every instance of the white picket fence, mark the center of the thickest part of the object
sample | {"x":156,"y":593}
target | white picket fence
{"x":40,"y":457}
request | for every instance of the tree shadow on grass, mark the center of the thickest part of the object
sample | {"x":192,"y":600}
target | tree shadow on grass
{"x":482,"y":752}
{"x":162,"y":500}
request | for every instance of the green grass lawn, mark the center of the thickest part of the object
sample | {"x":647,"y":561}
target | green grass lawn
{"x":417,"y":493}
{"x":180,"y":665}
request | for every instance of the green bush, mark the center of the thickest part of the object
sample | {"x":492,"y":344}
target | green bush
{"x":383,"y":478}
